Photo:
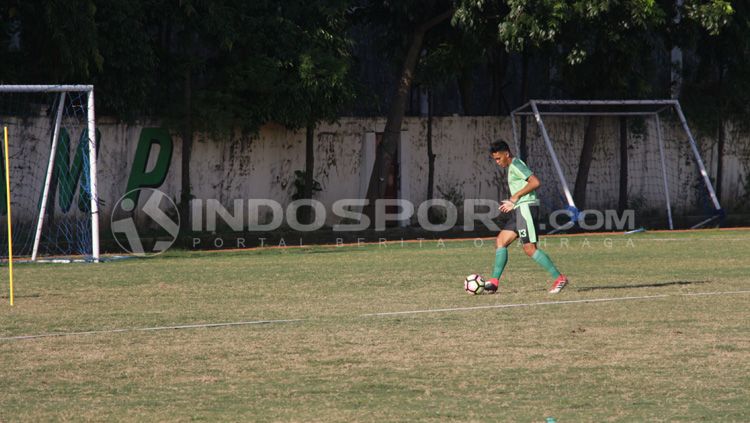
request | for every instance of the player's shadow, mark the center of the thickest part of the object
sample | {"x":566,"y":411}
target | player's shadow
{"x":642,"y":285}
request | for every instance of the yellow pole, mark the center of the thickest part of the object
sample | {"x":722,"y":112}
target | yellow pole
{"x":7,"y":199}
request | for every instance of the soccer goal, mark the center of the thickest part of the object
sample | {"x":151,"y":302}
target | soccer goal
{"x":51,"y":159}
{"x":617,"y":156}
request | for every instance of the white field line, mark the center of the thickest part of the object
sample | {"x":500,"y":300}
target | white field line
{"x":543,"y":303}
{"x":149,"y":329}
{"x":392,"y":313}
{"x":697,"y":294}
{"x":686,"y":239}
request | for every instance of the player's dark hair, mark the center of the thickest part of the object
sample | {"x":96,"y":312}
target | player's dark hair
{"x":499,"y":146}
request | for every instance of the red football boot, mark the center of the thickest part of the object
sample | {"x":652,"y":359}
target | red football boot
{"x":490,"y":285}
{"x":559,"y":284}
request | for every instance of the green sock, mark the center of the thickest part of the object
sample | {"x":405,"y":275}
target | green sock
{"x":543,"y":260}
{"x":501,"y":257}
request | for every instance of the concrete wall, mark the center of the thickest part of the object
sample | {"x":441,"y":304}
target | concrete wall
{"x":244,"y":167}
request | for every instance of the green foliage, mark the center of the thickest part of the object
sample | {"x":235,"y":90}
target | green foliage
{"x":532,"y":22}
{"x":717,"y":77}
{"x":452,"y":193}
{"x":539,"y":23}
{"x":445,"y":51}
{"x":49,"y":41}
{"x":613,"y":55}
{"x":299,"y":185}
{"x":127,"y":82}
{"x":240,"y":63}
{"x":263,"y":61}
{"x":712,"y":15}
{"x":610,"y":48}
{"x":246,"y":63}
{"x":449,"y":52}
{"x":314,"y":82}
{"x":393,"y":18}
{"x":599,"y":48}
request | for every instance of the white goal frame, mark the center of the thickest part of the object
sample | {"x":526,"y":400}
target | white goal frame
{"x":91,"y":129}
{"x":649,"y":108}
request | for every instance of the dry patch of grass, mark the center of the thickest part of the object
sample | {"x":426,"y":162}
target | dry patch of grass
{"x":675,"y":358}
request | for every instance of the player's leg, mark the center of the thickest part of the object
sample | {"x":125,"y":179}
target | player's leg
{"x":527,"y":230}
{"x":503,"y":240}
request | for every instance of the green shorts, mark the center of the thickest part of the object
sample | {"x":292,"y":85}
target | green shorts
{"x":524,"y":223}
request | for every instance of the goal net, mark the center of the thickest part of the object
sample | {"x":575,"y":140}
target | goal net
{"x":51,"y":160}
{"x":616,"y":157}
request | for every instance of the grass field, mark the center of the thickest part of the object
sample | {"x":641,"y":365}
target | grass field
{"x":655,"y":352}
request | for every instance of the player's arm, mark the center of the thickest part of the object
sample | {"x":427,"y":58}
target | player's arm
{"x":531,"y":184}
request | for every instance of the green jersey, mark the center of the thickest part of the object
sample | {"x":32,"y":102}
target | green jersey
{"x":518,"y":175}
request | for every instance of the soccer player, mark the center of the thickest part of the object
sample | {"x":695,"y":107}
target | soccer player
{"x":524,"y":205}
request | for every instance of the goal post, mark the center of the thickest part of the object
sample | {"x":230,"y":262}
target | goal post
{"x":46,"y":178}
{"x":676,"y":182}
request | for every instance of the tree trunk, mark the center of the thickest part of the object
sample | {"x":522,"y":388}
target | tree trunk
{"x":720,"y":137}
{"x":465,"y":89}
{"x":309,"y":167}
{"x":524,"y":98}
{"x":498,"y":67}
{"x":584,"y":164}
{"x":385,"y":154}
{"x":430,"y":154}
{"x":187,"y":147}
{"x":720,"y":159}
{"x":623,"y":201}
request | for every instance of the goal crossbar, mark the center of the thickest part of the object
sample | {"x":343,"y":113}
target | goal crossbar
{"x":540,"y":108}
{"x":45,"y":88}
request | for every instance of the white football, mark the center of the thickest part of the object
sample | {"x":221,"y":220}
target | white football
{"x":474,"y":284}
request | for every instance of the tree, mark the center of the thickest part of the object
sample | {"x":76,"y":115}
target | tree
{"x":615,"y":33}
{"x":516,"y":26}
{"x":265,"y":61}
{"x":449,"y":54}
{"x":49,"y":42}
{"x":716,"y":85}
{"x":126,"y":83}
{"x":315,"y":84}
{"x":245,"y":64}
{"x":200,"y":65}
{"x":612,"y":58}
{"x":190,"y":36}
{"x":409,"y":21}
